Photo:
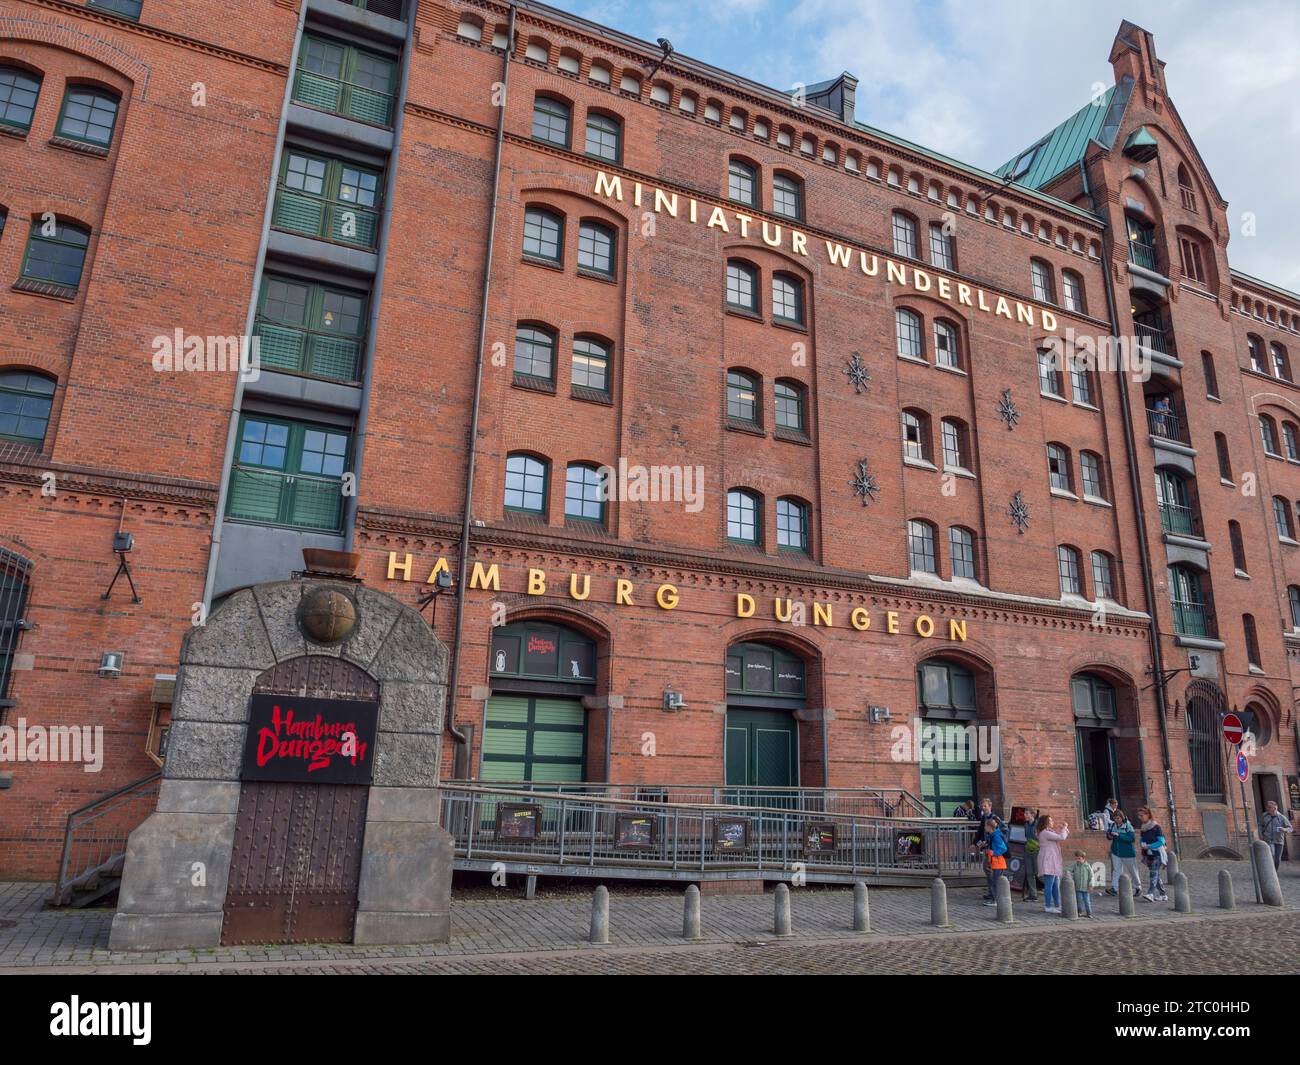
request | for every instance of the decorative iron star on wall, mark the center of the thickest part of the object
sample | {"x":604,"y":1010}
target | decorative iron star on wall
{"x":1007,"y":409}
{"x":864,"y":484}
{"x":1019,"y":511}
{"x":857,"y":373}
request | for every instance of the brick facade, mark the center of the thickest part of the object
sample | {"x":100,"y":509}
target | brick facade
{"x":176,"y":210}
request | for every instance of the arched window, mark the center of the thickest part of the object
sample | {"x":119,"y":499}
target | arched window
{"x":942,"y":686}
{"x":1093,"y":699}
{"x":906,"y":241}
{"x":1255,"y":349}
{"x":1282,"y":519}
{"x":742,"y":397}
{"x":1044,"y":287}
{"x":792,"y":524}
{"x":543,"y":234}
{"x":1094,"y":487}
{"x":25,"y":402}
{"x":961,"y":551}
{"x":1281,"y":361}
{"x":15,"y":573}
{"x":787,"y":196}
{"x":585,"y":491}
{"x":1290,"y":441}
{"x":688,"y":104}
{"x":1205,"y":706}
{"x":604,"y":137}
{"x":600,"y":74}
{"x":790,"y":414}
{"x":787,"y":299}
{"x":1050,"y":379}
{"x":19,"y":90}
{"x":907,"y":327}
{"x":535,"y":352}
{"x":916,"y":435}
{"x":56,"y":257}
{"x":1293,"y":600}
{"x":88,"y":114}
{"x":1103,"y":576}
{"x":661,"y":94}
{"x":953,"y":437}
{"x":1081,"y":382}
{"x":470,"y":28}
{"x":1225,"y":460}
{"x":1211,"y":378}
{"x":744,"y":517}
{"x":942,"y":254}
{"x":1268,"y":435}
{"x":1067,"y":564}
{"x":591,"y":364}
{"x":1258,"y":722}
{"x":1073,"y":292}
{"x":947,"y":348}
{"x":538,"y":51}
{"x":742,"y":183}
{"x":921,"y":552}
{"x":742,"y":286}
{"x":1252,"y":640}
{"x":596,"y":244}
{"x":551,"y":121}
{"x":1186,"y":190}
{"x":1058,"y":468}
{"x":630,"y":84}
{"x":763,"y":669}
{"x":526,"y":483}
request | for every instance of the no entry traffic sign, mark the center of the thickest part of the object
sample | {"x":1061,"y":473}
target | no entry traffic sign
{"x":1232,"y":728}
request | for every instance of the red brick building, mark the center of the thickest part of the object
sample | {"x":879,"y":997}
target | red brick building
{"x":869,"y":466}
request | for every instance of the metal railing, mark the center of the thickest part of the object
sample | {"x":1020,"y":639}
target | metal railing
{"x":345,"y":98}
{"x":569,"y":834}
{"x":301,"y":500}
{"x":94,"y":841}
{"x":306,"y":351}
{"x":864,"y":802}
{"x":1144,"y":255}
{"x":1153,"y":337}
{"x":1193,"y":619}
{"x":1179,"y":518}
{"x":392,"y":8}
{"x":1168,"y":424}
{"x":314,"y":216}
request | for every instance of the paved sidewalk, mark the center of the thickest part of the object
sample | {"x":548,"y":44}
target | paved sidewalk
{"x":43,"y":938}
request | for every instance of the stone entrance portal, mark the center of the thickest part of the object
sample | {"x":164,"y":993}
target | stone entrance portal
{"x":318,"y":819}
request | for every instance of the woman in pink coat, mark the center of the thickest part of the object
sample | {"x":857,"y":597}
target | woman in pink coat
{"x":1050,"y":864}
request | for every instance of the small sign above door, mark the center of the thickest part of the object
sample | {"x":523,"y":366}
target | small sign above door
{"x":314,"y":741}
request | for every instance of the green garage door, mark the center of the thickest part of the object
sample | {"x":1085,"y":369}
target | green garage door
{"x":532,"y":737}
{"x":947,"y":782}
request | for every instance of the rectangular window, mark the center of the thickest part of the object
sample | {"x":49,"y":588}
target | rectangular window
{"x":962,"y":548}
{"x":920,"y":547}
{"x":941,"y":248}
{"x":1068,"y":565}
{"x":1193,"y":268}
{"x":1090,"y":465}
{"x":310,"y":329}
{"x":289,"y":473}
{"x":328,"y":198}
{"x":596,"y":249}
{"x":1103,"y":581}
{"x":126,"y":8}
{"x":1049,"y":375}
{"x":345,"y":81}
{"x":1081,"y":383}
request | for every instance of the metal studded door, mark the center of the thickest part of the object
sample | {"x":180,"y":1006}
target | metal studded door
{"x":296,"y":863}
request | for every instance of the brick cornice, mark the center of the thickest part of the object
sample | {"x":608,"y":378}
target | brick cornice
{"x":77,"y":40}
{"x":31,"y":472}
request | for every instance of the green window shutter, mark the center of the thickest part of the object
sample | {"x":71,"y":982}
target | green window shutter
{"x":534,"y":738}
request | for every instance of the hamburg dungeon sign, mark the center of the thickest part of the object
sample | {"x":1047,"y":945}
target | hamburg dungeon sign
{"x":305,"y":740}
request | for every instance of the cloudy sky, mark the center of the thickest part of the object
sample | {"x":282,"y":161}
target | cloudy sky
{"x":982,"y":81}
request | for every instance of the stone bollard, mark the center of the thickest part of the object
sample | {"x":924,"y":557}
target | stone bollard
{"x":781,"y":919}
{"x":600,"y":915}
{"x":1227,"y":899}
{"x":1004,"y":901}
{"x":861,"y":908}
{"x":1174,"y":866}
{"x":691,"y":914}
{"x":938,"y":903}
{"x":1182,"y":894}
{"x":1125,"y":896}
{"x":1069,"y":901}
{"x":1270,"y":889}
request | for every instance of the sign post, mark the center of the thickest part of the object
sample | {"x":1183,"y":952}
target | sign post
{"x":1234,"y":733}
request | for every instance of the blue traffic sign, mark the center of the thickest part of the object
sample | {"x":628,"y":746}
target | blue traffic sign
{"x":1243,"y":768}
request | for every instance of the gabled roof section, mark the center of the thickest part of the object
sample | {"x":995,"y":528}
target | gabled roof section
{"x":1062,"y":148}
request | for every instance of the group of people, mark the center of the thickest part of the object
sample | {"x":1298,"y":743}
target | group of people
{"x":1043,"y":856}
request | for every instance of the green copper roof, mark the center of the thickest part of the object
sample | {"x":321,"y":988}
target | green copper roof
{"x":1061,"y":149}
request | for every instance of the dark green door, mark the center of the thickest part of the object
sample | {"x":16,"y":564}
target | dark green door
{"x":762,"y":749}
{"x":947,"y":771}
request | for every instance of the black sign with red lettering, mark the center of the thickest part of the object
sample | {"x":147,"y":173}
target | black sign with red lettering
{"x":312,"y":741}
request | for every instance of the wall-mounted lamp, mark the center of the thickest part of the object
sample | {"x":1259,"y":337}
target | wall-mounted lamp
{"x":878,"y":714}
{"x":123,"y":542}
{"x":110,"y":663}
{"x":674,"y":700}
{"x":442,"y":583}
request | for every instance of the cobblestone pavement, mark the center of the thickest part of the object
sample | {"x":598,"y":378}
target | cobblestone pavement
{"x":515,"y":935}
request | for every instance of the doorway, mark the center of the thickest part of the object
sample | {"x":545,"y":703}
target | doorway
{"x":762,"y":749}
{"x":1097,"y":775}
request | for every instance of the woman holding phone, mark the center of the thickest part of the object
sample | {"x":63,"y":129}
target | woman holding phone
{"x":1051,"y":866}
